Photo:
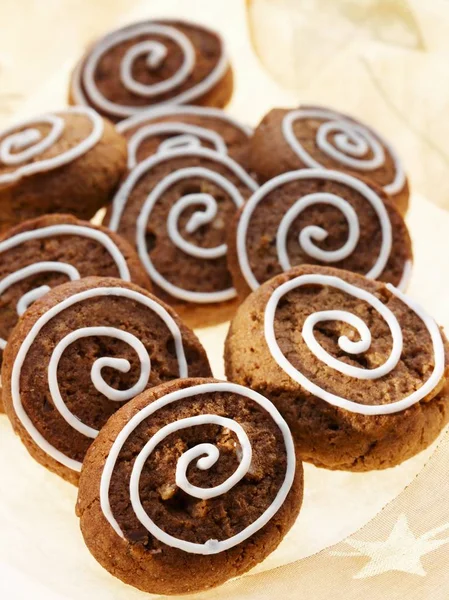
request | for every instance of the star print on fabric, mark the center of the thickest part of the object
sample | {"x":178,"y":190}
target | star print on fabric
{"x":402,"y":551}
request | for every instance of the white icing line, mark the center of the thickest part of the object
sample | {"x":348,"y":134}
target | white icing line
{"x":157,"y":112}
{"x":52,"y":266}
{"x":97,"y":380}
{"x":314,"y":232}
{"x":209,"y":454}
{"x":99,"y":383}
{"x":308,"y":234}
{"x":351,"y":142}
{"x":353,"y":347}
{"x":185,"y":135}
{"x":406,"y":276}
{"x":198,"y":219}
{"x":10,"y":140}
{"x":84,"y":75}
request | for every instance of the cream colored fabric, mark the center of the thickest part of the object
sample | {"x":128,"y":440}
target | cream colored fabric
{"x":400,"y":552}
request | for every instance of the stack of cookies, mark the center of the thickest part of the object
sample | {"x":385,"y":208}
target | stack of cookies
{"x":294,"y":232}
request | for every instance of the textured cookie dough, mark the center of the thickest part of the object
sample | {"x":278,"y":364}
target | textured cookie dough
{"x":58,"y":414}
{"x":176,"y":209}
{"x":327,"y":435}
{"x":70,"y":161}
{"x":137,"y":556}
{"x":152,"y":63}
{"x":323,"y":217}
{"x":314,"y":136}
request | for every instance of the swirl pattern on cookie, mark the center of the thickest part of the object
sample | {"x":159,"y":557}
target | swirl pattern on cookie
{"x":346,"y":362}
{"x":149,"y":63}
{"x":168,"y":127}
{"x":175,"y":208}
{"x":203,"y":455}
{"x":319,"y":216}
{"x":26,"y":148}
{"x":342,"y":143}
{"x":86,"y":336}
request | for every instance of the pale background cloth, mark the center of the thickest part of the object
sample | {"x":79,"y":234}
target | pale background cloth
{"x":384,"y":61}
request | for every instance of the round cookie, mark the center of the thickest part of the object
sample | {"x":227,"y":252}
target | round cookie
{"x":70,"y":161}
{"x":357,"y":369}
{"x":152,"y":63}
{"x":78,"y":354}
{"x":313,"y":136}
{"x":176,"y":208}
{"x":168,"y":127}
{"x":190,"y":484}
{"x":318,"y":216}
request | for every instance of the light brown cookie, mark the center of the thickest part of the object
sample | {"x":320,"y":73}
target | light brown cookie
{"x":82,"y":351}
{"x":314,"y":136}
{"x":322,"y":217}
{"x":151,"y":63}
{"x":192,"y":483}
{"x":65,"y":162}
{"x":357,"y":369}
{"x":171,"y":127}
{"x":176,"y":208}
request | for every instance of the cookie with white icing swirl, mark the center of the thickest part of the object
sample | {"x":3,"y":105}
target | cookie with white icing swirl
{"x":167,"y":128}
{"x":65,"y":162}
{"x":153,"y":63}
{"x":322,"y":217}
{"x":314,"y":136}
{"x":358,"y":370}
{"x":82,"y":351}
{"x":176,"y":209}
{"x":190,"y":484}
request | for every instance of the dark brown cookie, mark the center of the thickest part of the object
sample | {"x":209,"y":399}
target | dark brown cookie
{"x":357,"y":369}
{"x":78,"y":354}
{"x":151,"y":63}
{"x":176,"y":208}
{"x":314,"y":136}
{"x":188,"y":485}
{"x":38,"y":255}
{"x":65,"y":162}
{"x":171,"y":127}
{"x":318,"y":216}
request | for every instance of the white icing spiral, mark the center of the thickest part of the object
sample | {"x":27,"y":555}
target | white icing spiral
{"x":346,"y":142}
{"x":86,"y":91}
{"x":22,"y":144}
{"x":205,"y":455}
{"x":187,"y":135}
{"x":352,"y":347}
{"x":312,"y":233}
{"x":200,"y":218}
{"x":99,"y":383}
{"x":52,"y":266}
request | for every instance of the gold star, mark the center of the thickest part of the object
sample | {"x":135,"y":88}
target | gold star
{"x":402,"y":551}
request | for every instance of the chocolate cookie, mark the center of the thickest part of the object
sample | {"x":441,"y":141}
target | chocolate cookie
{"x":38,"y":255}
{"x":176,"y":208}
{"x":151,"y":63}
{"x":313,"y":136}
{"x":318,"y":216}
{"x":170,"y":127}
{"x":79,"y":353}
{"x":358,"y":370}
{"x":65,"y":162}
{"x":190,"y":484}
